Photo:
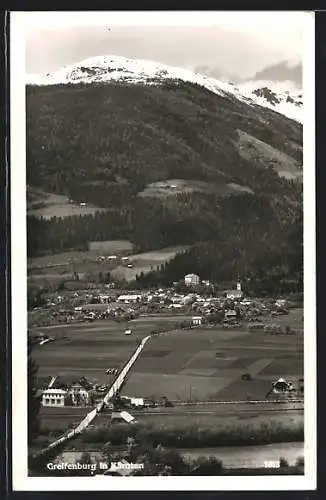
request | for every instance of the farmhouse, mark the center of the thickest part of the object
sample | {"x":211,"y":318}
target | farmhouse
{"x":197,"y":320}
{"x":54,"y":397}
{"x":192,"y":279}
{"x":282,"y":386}
{"x":79,"y":394}
{"x":129,"y":298}
{"x":134,"y":401}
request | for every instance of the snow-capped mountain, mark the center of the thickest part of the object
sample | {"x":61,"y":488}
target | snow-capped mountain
{"x":287,"y":101}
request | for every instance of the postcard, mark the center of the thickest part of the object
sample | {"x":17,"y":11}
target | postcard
{"x":163,"y":250}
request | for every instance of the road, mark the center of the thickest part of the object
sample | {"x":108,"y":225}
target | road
{"x":99,"y":408}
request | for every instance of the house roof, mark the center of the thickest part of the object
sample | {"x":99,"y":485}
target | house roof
{"x":124,"y":415}
{"x":48,"y":392}
{"x":129,"y":297}
{"x":280,"y":381}
{"x":127,"y":417}
{"x":234,"y":292}
{"x":67,"y":381}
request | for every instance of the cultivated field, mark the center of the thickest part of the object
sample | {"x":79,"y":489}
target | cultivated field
{"x":145,"y":262}
{"x":56,"y":268}
{"x":59,"y":267}
{"x":201,"y":363}
{"x":171,"y":187}
{"x":89,"y":349}
{"x":111,"y":246}
{"x":49,"y":205}
{"x":195,"y":364}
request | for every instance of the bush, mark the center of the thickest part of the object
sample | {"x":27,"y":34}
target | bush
{"x":210,"y":466}
{"x":283,"y":462}
{"x":193,"y":436}
{"x":299,"y":462}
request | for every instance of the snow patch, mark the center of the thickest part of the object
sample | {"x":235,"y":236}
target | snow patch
{"x":125,"y":70}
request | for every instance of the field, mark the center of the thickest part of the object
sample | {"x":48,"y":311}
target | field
{"x":207,"y":364}
{"x":55,"y":268}
{"x":59,"y":267}
{"x":195,"y":364}
{"x":89,"y":349}
{"x":145,"y":262}
{"x":50,"y":205}
{"x":111,"y":247}
{"x":171,"y":187}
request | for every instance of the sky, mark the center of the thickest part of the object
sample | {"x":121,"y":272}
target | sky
{"x":227,"y":43}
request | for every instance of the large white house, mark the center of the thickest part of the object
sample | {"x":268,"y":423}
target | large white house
{"x":129,"y":298}
{"x":192,"y":279}
{"x":54,"y":397}
{"x":197,"y":320}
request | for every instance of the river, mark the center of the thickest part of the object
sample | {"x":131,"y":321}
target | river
{"x":249,"y":456}
{"x":232,"y":457}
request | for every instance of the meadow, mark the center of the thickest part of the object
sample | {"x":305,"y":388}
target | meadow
{"x":49,"y":205}
{"x":59,"y":267}
{"x":207,"y":364}
{"x":186,"y":365}
{"x":146,"y":262}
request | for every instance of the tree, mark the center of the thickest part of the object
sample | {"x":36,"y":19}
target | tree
{"x":85,"y":458}
{"x":33,"y":399}
{"x":283,"y":463}
{"x":210,"y":466}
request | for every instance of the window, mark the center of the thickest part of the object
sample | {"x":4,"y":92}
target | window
{"x":47,"y":401}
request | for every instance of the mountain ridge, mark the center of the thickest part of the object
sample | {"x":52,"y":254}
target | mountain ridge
{"x":125,"y":70}
{"x":234,"y":172}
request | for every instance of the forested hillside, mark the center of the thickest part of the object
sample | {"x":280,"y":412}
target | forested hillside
{"x":104,"y":143}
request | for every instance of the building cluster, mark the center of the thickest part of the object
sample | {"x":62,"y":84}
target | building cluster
{"x":80,"y":306}
{"x":67,"y":391}
{"x":60,"y":391}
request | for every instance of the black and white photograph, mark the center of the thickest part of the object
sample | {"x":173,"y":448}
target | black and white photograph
{"x":163,"y":255}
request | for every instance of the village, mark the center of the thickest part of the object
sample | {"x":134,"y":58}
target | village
{"x":227,"y":307}
{"x":195,"y":308}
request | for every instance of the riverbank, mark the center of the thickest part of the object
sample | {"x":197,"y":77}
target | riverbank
{"x":238,"y":433}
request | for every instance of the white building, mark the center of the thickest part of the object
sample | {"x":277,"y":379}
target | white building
{"x":197,"y":320}
{"x":192,"y":279}
{"x":54,"y":397}
{"x":282,"y":386}
{"x":129,"y":298}
{"x":234,"y":294}
{"x":79,"y":394}
{"x":137,"y":401}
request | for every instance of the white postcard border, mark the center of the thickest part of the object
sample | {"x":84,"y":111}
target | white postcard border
{"x":21,"y":482}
